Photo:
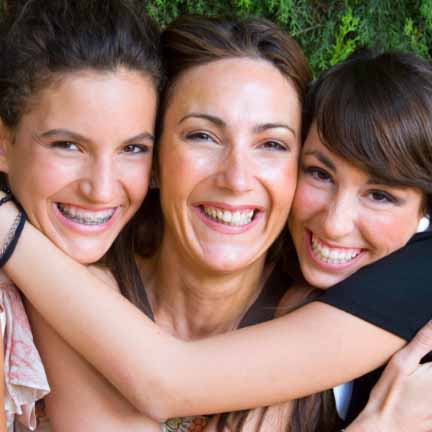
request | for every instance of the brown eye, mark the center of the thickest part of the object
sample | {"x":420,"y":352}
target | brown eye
{"x":199,"y":136}
{"x":383,"y":197}
{"x":136,"y":148}
{"x":274,"y":145}
{"x":65,"y":145}
{"x":318,"y":173}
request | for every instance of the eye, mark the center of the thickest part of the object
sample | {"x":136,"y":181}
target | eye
{"x":382,"y":197}
{"x":199,"y":136}
{"x":274,"y":145}
{"x":318,"y":174}
{"x":65,"y":145}
{"x":136,"y":148}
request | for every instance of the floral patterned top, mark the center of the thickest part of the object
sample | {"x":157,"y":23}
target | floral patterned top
{"x":185,"y":424}
{"x":24,"y":375}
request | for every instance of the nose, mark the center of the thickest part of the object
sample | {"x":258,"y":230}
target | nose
{"x":340,"y":216}
{"x":98,"y":183}
{"x":236,"y":173}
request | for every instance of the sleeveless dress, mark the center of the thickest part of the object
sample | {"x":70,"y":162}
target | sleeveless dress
{"x":25,"y":379}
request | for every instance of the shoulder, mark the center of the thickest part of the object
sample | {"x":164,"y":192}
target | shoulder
{"x":393,"y":293}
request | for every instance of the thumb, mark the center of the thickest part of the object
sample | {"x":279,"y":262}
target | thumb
{"x":419,"y":346}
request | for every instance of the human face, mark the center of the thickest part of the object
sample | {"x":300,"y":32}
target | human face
{"x":80,"y":159}
{"x":342,"y":219}
{"x":228,"y":162}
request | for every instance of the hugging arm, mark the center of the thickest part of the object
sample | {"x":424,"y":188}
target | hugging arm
{"x":401,"y":399}
{"x":311,"y":349}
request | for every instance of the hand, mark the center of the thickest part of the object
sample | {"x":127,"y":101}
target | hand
{"x":401,"y":401}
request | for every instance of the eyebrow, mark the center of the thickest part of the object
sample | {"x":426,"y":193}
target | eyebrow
{"x":322,"y":158}
{"x":266,"y":126}
{"x":220,"y":123}
{"x":65,"y":133}
{"x":213,"y":119}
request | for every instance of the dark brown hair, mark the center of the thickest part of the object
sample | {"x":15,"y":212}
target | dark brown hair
{"x":42,"y":40}
{"x":375,"y":111}
{"x":192,"y":41}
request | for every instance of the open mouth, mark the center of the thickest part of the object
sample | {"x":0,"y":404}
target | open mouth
{"x":237,"y":218}
{"x":85,"y":217}
{"x":332,"y":255}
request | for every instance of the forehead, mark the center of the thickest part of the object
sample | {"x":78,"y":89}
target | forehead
{"x":238,"y":89}
{"x":88,"y":97}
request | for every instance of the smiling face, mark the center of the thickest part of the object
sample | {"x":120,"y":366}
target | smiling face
{"x":81,"y":157}
{"x":342,"y":219}
{"x":228,"y":162}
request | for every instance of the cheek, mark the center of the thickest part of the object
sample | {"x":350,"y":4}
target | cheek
{"x":33,"y":178}
{"x":308,"y":201}
{"x":181,"y":170}
{"x":281,"y":180}
{"x":388,"y":232}
{"x":135,"y":180}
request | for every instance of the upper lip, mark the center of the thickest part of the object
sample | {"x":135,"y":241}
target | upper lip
{"x":333,"y":246}
{"x":229,"y":207}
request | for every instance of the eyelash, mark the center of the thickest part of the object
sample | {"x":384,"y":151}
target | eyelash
{"x":199,"y":136}
{"x":65,"y":145}
{"x":140,"y":147}
{"x":275,"y":146}
{"x":388,"y":198}
{"x":315,"y":173}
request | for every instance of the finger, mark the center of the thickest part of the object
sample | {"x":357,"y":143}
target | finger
{"x":409,"y":357}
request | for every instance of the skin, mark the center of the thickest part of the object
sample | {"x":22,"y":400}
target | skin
{"x":225,"y":159}
{"x":79,"y":146}
{"x":340,"y":207}
{"x":306,"y":326}
{"x":229,"y":161}
{"x":86,"y":143}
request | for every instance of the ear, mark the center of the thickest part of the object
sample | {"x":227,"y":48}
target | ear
{"x":6,"y":139}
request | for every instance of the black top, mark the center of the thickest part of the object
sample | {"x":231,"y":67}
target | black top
{"x":395,"y":294}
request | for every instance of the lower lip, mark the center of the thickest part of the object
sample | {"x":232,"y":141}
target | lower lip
{"x":86,"y":229}
{"x":324,"y":265}
{"x":227,"y":229}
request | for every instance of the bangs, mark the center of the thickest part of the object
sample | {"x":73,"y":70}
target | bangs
{"x":377,"y":115}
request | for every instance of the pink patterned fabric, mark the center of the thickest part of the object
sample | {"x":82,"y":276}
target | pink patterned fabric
{"x":25,"y":378}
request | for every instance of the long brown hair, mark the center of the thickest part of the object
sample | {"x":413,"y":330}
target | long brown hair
{"x":375,"y":111}
{"x":42,"y":40}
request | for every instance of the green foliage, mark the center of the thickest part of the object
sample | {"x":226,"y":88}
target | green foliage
{"x":328,"y":30}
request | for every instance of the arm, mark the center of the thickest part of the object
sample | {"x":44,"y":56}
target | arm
{"x":263,"y":365}
{"x":401,"y":400}
{"x":80,"y":398}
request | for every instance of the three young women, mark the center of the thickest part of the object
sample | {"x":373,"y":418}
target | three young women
{"x":218,"y":224}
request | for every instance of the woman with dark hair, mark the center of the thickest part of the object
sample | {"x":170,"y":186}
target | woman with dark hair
{"x":79,"y":84}
{"x":237,"y":160}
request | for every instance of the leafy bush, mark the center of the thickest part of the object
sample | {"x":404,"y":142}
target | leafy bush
{"x":328,"y":30}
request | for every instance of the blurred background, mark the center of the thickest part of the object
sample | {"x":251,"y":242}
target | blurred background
{"x":327,"y":30}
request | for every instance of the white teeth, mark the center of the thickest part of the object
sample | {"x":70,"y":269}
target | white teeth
{"x":85,"y":217}
{"x":236,"y":218}
{"x":332,"y":255}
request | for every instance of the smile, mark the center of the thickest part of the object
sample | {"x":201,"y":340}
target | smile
{"x":332,"y":255}
{"x":86,"y":217}
{"x":228,"y":217}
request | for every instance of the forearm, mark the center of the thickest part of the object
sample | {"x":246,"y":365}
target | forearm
{"x":284,"y":356}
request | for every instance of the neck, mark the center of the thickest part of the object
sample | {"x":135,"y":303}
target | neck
{"x":191,"y":302}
